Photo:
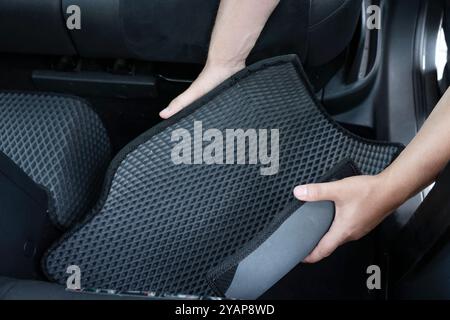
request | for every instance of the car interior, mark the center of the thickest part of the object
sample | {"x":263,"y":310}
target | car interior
{"x":82,"y":148}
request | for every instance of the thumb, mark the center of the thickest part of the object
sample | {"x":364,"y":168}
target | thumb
{"x":327,"y":245}
{"x":174,"y":106}
{"x":317,"y":192}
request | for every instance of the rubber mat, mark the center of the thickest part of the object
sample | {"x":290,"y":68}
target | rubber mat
{"x":161,"y":226}
{"x":60,"y":143}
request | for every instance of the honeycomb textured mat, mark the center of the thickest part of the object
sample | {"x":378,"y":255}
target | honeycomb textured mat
{"x":161,"y":227}
{"x":60,"y":143}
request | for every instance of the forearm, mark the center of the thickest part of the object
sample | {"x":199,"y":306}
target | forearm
{"x":238,"y":26}
{"x":363,"y":202}
{"x":423,"y":159}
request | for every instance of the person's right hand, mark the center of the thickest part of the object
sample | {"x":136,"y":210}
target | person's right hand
{"x":361,"y":203}
{"x":212,"y":75}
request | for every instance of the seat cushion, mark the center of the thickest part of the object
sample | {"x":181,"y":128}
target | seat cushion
{"x":179,"y":31}
{"x":161,"y":225}
{"x":35,"y":27}
{"x":60,"y":143}
{"x":173,"y":30}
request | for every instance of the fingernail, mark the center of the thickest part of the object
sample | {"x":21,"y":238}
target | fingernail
{"x":307,"y":260}
{"x":300,"y":191}
{"x":164,"y":113}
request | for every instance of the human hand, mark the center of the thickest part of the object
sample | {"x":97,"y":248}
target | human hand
{"x":212,"y":75}
{"x":361,"y":203}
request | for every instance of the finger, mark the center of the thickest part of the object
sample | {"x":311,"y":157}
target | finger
{"x":327,"y":245}
{"x":180,"y":102}
{"x":175,"y":106}
{"x":317,"y":192}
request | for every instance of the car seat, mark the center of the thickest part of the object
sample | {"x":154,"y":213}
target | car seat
{"x":172,"y":30}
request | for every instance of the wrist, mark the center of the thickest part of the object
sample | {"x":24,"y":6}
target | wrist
{"x":392,"y":189}
{"x":228,"y":64}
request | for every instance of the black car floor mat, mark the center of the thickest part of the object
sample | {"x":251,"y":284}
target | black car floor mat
{"x":161,"y":226}
{"x":61,"y":143}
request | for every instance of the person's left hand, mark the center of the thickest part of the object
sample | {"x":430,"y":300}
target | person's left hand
{"x":361,"y":203}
